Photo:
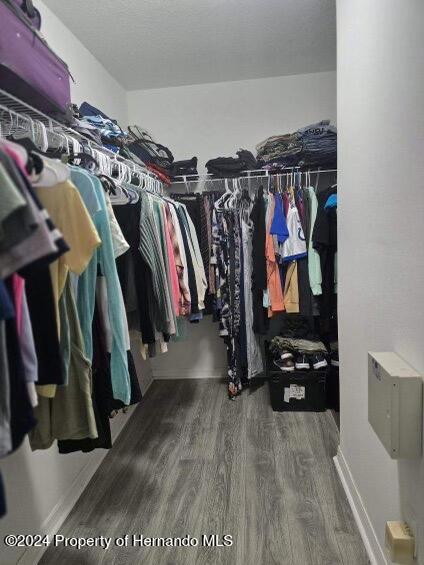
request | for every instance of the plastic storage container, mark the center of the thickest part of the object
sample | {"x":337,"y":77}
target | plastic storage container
{"x":333,"y":389}
{"x":301,"y":391}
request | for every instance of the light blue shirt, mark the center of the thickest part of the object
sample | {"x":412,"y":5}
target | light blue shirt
{"x":91,"y":191}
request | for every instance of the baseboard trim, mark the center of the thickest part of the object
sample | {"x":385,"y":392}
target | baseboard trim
{"x":375,"y":552}
{"x":57,"y":517}
{"x":60,"y":512}
{"x":170,"y":374}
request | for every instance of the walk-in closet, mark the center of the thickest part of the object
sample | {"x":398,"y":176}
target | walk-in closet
{"x":211,"y":307}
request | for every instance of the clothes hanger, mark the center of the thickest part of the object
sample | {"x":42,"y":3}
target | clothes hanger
{"x":21,"y":136}
{"x":108,"y":184}
{"x":48,"y":172}
{"x":232,"y":200}
{"x":268,"y":184}
{"x":317,"y":181}
{"x":84,"y":159}
{"x":226,"y":195}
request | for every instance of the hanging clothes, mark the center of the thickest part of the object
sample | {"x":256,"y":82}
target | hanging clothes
{"x":314,"y":261}
{"x":259,"y":276}
{"x":254,"y":354}
{"x":274,"y":291}
{"x":165,"y":267}
{"x":291,"y":289}
{"x":69,"y":414}
{"x":325,"y":242}
{"x":294,"y":247}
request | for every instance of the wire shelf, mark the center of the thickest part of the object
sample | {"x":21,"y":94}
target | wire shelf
{"x":29,"y":118}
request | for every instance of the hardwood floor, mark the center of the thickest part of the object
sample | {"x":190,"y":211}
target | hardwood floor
{"x":192,"y":462}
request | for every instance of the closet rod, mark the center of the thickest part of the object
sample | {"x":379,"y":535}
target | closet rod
{"x":247,"y":175}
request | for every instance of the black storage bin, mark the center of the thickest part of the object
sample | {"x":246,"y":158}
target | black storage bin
{"x":333,"y":389}
{"x":299,"y":391}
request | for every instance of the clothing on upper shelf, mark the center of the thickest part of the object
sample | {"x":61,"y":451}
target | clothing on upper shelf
{"x":312,"y":145}
{"x":224,"y":167}
{"x":96,"y":125}
{"x":182,"y":168}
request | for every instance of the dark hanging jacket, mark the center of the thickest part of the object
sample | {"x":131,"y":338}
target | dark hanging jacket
{"x":324,"y":239}
{"x":259,"y":275}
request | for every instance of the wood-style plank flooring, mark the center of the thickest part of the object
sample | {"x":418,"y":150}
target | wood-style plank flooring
{"x":192,"y":462}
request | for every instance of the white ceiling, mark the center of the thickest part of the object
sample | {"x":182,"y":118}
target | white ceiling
{"x":160,"y":43}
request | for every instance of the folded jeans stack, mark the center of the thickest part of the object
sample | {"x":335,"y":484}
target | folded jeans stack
{"x":319,"y":144}
{"x":312,"y":145}
{"x":280,"y":150}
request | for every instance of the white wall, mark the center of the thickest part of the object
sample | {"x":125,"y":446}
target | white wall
{"x":42,"y":486}
{"x":381,"y":230}
{"x":201,"y":355}
{"x":212,"y":120}
{"x":93,"y":83}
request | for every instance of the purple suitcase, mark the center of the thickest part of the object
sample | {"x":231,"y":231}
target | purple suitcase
{"x":32,"y":13}
{"x":29,"y":69}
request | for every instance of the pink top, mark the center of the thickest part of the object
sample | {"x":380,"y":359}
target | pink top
{"x":176,"y":298}
{"x":9,"y":148}
{"x":18,"y":284}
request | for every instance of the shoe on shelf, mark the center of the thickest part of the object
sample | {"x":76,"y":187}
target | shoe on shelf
{"x":302,"y":362}
{"x":335,"y":358}
{"x":318,"y":361}
{"x":285,"y":365}
{"x":286,"y":355}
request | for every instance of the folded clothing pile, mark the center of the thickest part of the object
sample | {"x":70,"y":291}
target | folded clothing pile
{"x":162,"y":174}
{"x":319,"y":144}
{"x":298,"y":347}
{"x":222,"y":167}
{"x":186,"y":167}
{"x":279,"y":344}
{"x":291,"y":354}
{"x":284,"y":150}
{"x":313,"y":145}
{"x":96,"y":125}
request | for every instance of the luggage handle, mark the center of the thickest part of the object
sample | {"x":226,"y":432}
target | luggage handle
{"x":137,"y":135}
{"x":28,"y":8}
{"x":135,"y":132}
